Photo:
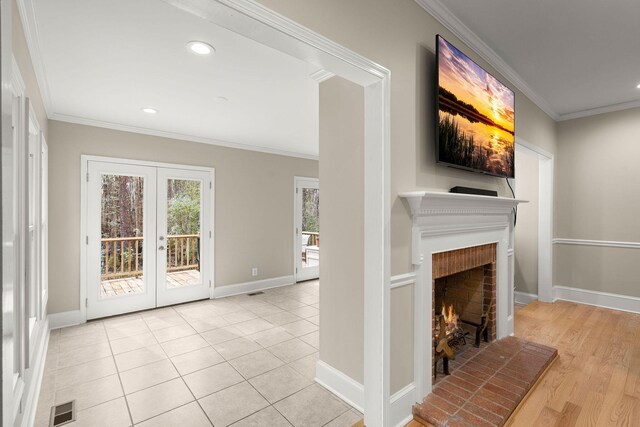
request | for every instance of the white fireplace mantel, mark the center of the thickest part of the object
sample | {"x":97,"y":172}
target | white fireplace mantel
{"x":449,"y":221}
{"x":440,"y":213}
{"x":423,"y":203}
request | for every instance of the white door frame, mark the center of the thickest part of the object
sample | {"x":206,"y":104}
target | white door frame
{"x":545,"y":219}
{"x":249,"y":18}
{"x":84,"y":161}
{"x":297,"y":214}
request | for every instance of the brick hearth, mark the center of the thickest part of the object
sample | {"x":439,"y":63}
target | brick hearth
{"x":485,"y":389}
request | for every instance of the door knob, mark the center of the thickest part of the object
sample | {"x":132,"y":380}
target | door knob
{"x":161,"y":238}
{"x":161,"y":248}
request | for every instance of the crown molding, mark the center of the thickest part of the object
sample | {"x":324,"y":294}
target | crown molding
{"x":321,"y":75}
{"x":29,"y":24}
{"x":443,"y":15}
{"x":177,"y":136}
{"x":600,"y":110}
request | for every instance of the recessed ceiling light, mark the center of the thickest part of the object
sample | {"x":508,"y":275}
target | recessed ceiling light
{"x":150,"y":110}
{"x":201,"y":48}
{"x":638,"y":86}
{"x":220,"y":99}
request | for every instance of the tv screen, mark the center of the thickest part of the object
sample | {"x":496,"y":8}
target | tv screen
{"x":475,"y":115}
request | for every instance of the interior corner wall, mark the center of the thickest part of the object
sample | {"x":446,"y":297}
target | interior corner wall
{"x":253,"y":223}
{"x":400,"y":36}
{"x":526,"y":231}
{"x":342,"y":226}
{"x":597,"y":188}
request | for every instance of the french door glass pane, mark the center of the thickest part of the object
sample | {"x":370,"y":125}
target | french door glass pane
{"x":310,"y":227}
{"x":122,"y":240}
{"x":183,"y":232}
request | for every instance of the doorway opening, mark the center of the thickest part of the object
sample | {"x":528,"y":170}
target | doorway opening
{"x":307,"y":229}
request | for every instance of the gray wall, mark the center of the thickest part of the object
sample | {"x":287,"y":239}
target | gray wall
{"x":342,"y":225}
{"x":400,"y":35}
{"x":253,"y":196}
{"x":597,"y":198}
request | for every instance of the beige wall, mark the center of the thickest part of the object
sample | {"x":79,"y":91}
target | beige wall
{"x":597,"y":188}
{"x":253,"y":196}
{"x":342,"y":225}
{"x":400,"y":35}
{"x":23,"y":59}
{"x":526,"y":238}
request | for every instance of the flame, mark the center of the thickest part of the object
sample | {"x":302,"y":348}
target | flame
{"x":450,"y":317}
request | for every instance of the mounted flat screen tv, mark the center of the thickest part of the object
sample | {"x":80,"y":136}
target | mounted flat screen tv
{"x":475,"y":118}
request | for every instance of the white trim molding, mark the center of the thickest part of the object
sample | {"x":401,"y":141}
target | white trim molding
{"x":248,"y":287}
{"x":402,"y":403}
{"x":443,"y":15}
{"x":29,"y":24}
{"x":401,"y":280}
{"x":321,"y":75}
{"x":600,"y":110}
{"x":65,"y":318}
{"x":35,"y":374}
{"x":340,"y":384}
{"x":525,"y":298}
{"x":597,"y":298}
{"x":602,"y":243}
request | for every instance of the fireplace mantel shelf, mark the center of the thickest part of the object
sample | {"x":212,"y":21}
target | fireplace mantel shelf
{"x":439,"y":202}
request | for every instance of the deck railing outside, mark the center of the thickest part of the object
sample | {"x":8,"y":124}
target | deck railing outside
{"x":314,"y":238}
{"x":122,"y":256}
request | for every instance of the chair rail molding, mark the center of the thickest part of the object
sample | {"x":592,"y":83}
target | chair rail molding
{"x":602,"y":243}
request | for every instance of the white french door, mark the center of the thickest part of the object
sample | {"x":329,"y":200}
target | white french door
{"x":148,"y":236}
{"x":307,"y":229}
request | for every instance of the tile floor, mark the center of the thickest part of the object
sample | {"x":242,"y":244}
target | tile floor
{"x":240,"y":361}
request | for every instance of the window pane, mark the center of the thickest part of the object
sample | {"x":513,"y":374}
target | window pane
{"x":121,"y":261}
{"x":183,"y":232}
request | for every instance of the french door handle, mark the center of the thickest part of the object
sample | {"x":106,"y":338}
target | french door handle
{"x":161,"y":248}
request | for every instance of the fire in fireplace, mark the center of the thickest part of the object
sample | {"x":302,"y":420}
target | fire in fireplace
{"x":464,"y":293}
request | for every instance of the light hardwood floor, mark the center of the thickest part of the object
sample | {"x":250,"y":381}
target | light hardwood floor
{"x":596,"y":379}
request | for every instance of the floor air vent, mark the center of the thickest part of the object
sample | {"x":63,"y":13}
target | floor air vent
{"x":255,"y":293}
{"x":63,"y":414}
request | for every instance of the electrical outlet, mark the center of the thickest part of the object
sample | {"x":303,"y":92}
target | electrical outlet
{"x":254,"y":271}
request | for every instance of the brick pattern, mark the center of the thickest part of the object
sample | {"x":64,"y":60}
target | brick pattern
{"x":452,"y":262}
{"x":464,"y":291}
{"x":486,"y":388}
{"x":468,"y":271}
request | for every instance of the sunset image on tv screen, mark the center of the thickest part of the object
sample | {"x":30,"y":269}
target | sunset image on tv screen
{"x":475,"y":115}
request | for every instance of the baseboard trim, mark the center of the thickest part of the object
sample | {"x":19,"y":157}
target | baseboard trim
{"x":340,"y":384}
{"x":525,"y":298}
{"x":64,"y":319}
{"x":258,"y":285}
{"x":599,"y":299}
{"x":401,"y":408}
{"x":36,"y":375}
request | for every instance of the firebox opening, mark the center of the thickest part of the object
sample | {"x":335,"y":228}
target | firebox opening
{"x":464,"y":305}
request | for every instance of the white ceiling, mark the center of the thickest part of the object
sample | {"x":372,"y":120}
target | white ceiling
{"x":104,"y":60}
{"x":577,"y":55}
